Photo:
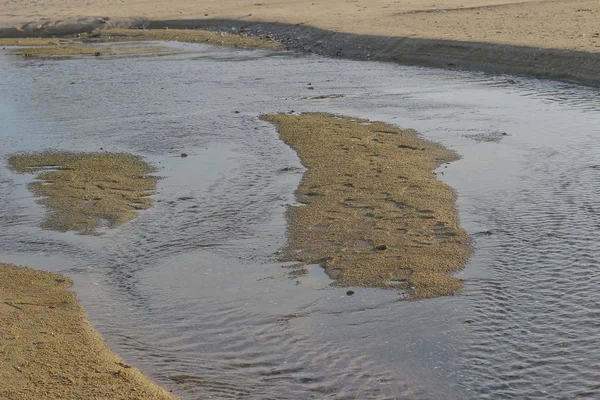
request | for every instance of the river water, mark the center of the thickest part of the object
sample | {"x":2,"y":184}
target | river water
{"x":191,"y":291}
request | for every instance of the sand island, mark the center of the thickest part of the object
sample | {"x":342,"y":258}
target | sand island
{"x":374,"y":213}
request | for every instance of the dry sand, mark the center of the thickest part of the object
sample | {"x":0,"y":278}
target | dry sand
{"x":565,"y":24}
{"x":375,"y":214}
{"x":48,"y":349}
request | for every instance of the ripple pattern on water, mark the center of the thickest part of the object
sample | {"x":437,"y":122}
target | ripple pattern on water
{"x":191,"y":291}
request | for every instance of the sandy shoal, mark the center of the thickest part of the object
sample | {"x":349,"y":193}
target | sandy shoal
{"x":48,"y":349}
{"x":374,"y":213}
{"x":566,"y":24}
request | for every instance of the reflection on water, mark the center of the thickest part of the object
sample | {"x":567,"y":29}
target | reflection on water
{"x":191,"y":291}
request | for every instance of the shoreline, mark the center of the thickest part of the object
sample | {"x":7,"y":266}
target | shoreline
{"x":50,"y":350}
{"x":569,"y":66}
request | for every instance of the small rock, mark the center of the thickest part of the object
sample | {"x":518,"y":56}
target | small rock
{"x":184,"y":155}
{"x":349,"y":292}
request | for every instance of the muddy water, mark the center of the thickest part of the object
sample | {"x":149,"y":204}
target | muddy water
{"x":192,"y":289}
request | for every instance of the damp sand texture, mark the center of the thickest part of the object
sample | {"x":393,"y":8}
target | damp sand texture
{"x":190,"y":36}
{"x":48,"y":349}
{"x":85,"y":191}
{"x":374,"y":213}
{"x":78,"y":49}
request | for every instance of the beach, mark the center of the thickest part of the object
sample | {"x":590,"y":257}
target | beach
{"x":568,"y":24}
{"x":546,"y":39}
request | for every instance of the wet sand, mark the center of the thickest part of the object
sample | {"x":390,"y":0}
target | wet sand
{"x":84,"y":191}
{"x":33,"y":41}
{"x":190,"y":36}
{"x":50,"y":351}
{"x":88,"y":43}
{"x":79,"y":49}
{"x":374,"y":213}
{"x":565,"y":25}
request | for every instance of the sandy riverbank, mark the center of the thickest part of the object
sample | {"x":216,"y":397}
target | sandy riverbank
{"x":375,"y":214}
{"x":48,"y":349}
{"x":558,"y":40}
{"x":566,"y":24}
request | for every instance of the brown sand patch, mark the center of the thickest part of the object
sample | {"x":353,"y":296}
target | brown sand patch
{"x":48,"y":349}
{"x":190,"y":36}
{"x":374,"y":214}
{"x":83,"y":190}
{"x":74,"y":49}
{"x":30,"y":42}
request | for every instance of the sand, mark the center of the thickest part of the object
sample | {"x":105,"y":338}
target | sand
{"x":189,"y":36}
{"x":405,"y":230}
{"x":374,"y":212}
{"x":565,"y":24}
{"x":33,"y":42}
{"x":84,"y":191}
{"x":114,"y":41}
{"x":48,"y":349}
{"x":75,"y":49}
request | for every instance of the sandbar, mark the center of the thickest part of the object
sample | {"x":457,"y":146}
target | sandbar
{"x":374,"y":213}
{"x":84,"y":191}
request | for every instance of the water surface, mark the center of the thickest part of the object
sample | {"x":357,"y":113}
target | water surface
{"x":192,"y":288}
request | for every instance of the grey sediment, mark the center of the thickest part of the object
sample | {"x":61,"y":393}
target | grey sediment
{"x":545,"y":63}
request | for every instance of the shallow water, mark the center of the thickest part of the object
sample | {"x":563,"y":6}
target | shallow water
{"x":192,"y":288}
